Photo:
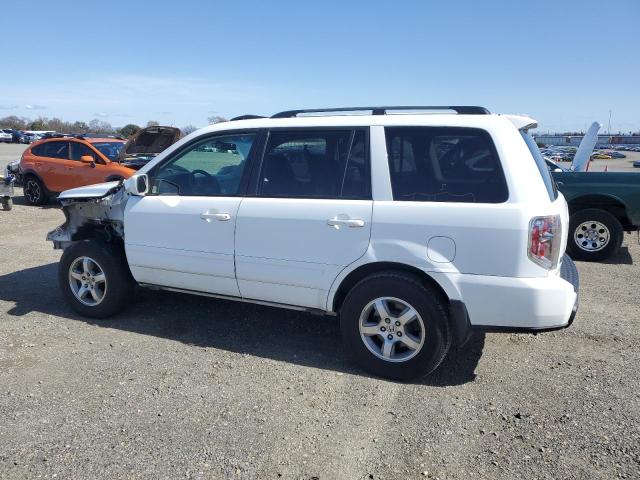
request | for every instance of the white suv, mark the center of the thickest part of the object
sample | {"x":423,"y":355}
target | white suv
{"x":415,"y":228}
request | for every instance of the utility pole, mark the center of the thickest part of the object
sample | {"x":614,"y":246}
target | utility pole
{"x":609,"y":129}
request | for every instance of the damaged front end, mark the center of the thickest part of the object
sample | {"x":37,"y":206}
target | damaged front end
{"x":93,"y":212}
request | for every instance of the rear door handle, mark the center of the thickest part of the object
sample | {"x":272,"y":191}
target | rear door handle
{"x":221,"y":217}
{"x":347,"y":222}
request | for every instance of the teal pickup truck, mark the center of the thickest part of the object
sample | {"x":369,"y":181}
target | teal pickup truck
{"x":602,"y":206}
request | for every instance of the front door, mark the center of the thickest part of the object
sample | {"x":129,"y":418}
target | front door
{"x":310,"y":216}
{"x":77,"y":173}
{"x":181,"y":234}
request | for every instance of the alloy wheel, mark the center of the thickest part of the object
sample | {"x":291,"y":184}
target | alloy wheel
{"x":32,"y":191}
{"x":87,"y":281}
{"x":392,"y":329}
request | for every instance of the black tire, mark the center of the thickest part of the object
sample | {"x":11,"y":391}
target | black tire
{"x":34,"y":191}
{"x":427,"y":303}
{"x":580,"y":250}
{"x":7,"y":203}
{"x":119,"y":283}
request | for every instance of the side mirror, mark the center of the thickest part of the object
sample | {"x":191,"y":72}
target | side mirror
{"x":88,"y":159}
{"x":137,"y":184}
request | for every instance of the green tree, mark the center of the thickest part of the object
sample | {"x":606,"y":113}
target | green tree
{"x":40,"y":123}
{"x":129,"y":130}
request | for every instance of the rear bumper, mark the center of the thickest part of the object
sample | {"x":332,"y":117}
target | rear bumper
{"x":501,"y":304}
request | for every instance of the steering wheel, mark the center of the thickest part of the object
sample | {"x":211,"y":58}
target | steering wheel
{"x":211,"y":181}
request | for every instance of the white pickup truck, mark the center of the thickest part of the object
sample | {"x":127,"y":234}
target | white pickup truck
{"x":416,"y":225}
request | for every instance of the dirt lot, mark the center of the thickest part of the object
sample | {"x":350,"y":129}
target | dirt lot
{"x":188,"y":387}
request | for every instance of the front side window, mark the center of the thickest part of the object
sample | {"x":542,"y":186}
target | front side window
{"x":211,"y":167}
{"x":315,"y":164}
{"x":79,"y":150}
{"x":444,"y":164}
{"x":52,"y":150}
{"x":111,"y":150}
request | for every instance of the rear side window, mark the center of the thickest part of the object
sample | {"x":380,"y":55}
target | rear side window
{"x":543,"y":168}
{"x":444,"y":164}
{"x":315,"y":164}
{"x":52,"y":150}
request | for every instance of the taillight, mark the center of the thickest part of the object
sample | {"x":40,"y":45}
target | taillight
{"x":545,"y":238}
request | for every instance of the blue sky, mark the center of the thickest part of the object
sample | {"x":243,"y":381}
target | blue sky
{"x":564,"y":62}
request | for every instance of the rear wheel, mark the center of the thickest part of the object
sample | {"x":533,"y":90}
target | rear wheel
{"x":395,"y":327}
{"x":95,"y":279}
{"x":34,"y":191}
{"x":594,"y":235}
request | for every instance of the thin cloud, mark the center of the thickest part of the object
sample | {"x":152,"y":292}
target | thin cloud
{"x":35,"y":107}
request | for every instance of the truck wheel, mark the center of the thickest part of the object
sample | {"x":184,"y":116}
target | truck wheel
{"x":394,"y":326}
{"x":95,"y":279}
{"x":34,"y":191}
{"x":594,"y":235}
{"x":7,"y":203}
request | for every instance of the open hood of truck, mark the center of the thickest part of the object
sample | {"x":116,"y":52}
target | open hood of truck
{"x":149,"y":142}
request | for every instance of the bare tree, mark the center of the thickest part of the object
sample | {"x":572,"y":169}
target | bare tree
{"x":188,"y":129}
{"x":216,"y":119}
{"x":152,"y":123}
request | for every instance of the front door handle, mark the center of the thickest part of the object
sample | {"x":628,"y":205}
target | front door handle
{"x":346,"y":222}
{"x":222,"y":217}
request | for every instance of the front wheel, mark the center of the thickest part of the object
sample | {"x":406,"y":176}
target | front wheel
{"x":594,"y":235}
{"x":395,"y":327}
{"x":95,"y":279}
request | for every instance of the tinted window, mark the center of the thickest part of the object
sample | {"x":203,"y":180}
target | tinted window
{"x":79,"y":150}
{"x":313,"y":164}
{"x":444,"y":164}
{"x":52,"y":150}
{"x":211,"y":167}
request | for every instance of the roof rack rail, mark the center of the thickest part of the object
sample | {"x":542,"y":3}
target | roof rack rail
{"x":246,"y":117}
{"x":459,"y":109}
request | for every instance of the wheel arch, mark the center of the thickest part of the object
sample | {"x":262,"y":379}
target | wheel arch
{"x":609,"y":203}
{"x":29,"y":172}
{"x":354,"y":276}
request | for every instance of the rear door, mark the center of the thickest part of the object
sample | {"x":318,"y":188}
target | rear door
{"x":50,"y":159}
{"x":181,"y":234}
{"x":309,"y":217}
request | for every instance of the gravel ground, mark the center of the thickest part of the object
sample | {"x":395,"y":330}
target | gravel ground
{"x":189,"y":387}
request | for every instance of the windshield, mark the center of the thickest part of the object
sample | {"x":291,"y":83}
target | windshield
{"x":541,"y":164}
{"x":109,"y":149}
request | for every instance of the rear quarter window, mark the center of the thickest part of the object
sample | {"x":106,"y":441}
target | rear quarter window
{"x":52,"y":150}
{"x":444,"y":164}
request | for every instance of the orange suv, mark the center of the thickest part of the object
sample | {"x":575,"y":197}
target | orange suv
{"x":62,"y":162}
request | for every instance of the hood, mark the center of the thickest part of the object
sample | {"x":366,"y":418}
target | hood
{"x":98,"y":190}
{"x":149,"y":142}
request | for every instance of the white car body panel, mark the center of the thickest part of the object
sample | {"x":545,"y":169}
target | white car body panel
{"x":287,"y":252}
{"x":168,"y":243}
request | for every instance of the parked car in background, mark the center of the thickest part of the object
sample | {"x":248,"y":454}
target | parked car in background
{"x":600,"y":156}
{"x":614,"y":154}
{"x":28,"y":137}
{"x":61,"y":162}
{"x":6,"y":136}
{"x":415,"y":229}
{"x":636,"y":163}
{"x":602,"y":206}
